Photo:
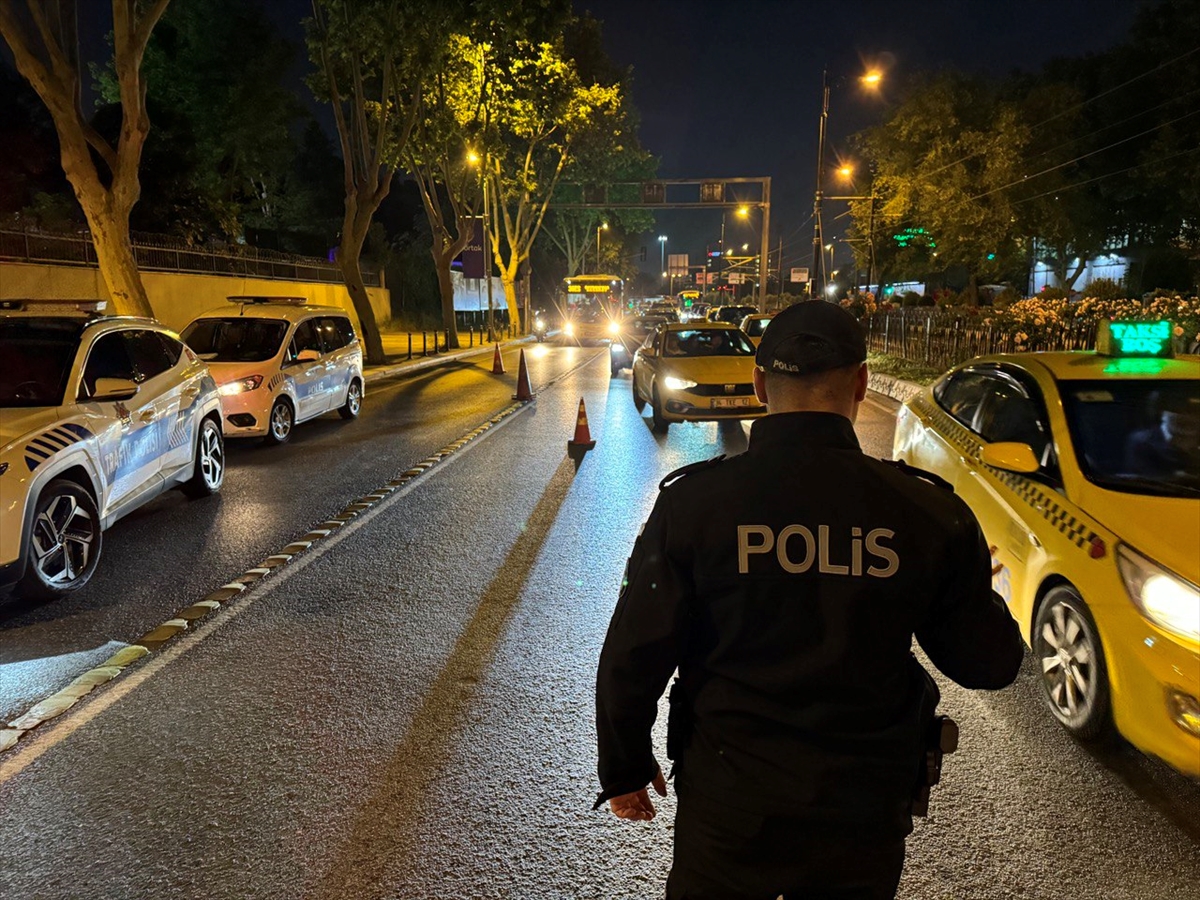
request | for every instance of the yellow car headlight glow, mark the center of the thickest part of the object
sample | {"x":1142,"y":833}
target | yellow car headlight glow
{"x":678,"y":384}
{"x":1163,"y":598}
{"x":240,"y":386}
{"x":614,"y":328}
{"x":569,"y":330}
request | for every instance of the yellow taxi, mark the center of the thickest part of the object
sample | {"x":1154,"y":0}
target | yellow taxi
{"x":698,"y":372}
{"x":1084,"y":471}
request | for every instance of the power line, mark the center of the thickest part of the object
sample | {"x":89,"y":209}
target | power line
{"x":1083,"y":156}
{"x":1068,"y":187}
{"x":1080,"y":105}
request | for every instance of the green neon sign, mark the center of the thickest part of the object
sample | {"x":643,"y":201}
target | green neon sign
{"x":1135,"y":339}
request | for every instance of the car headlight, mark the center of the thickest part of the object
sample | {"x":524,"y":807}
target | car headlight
{"x":1163,"y":598}
{"x":617,"y":347}
{"x":678,"y":384}
{"x":539,"y":324}
{"x":569,"y":330}
{"x":241,"y":386}
{"x":614,"y":328}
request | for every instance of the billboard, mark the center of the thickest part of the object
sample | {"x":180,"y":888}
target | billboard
{"x":800,"y":275}
{"x":677,"y":264}
{"x":472,"y":254}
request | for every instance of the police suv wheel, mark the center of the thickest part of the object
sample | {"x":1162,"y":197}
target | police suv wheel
{"x":1074,"y":679}
{"x":660,"y":422}
{"x":209,"y":472}
{"x":64,"y":542}
{"x":353,"y":405}
{"x":638,"y":403}
{"x":280,"y":422}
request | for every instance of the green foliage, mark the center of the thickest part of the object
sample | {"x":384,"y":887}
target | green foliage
{"x":899,"y":367}
{"x":1105,"y":289}
{"x":1054,"y":293}
{"x":50,"y":212}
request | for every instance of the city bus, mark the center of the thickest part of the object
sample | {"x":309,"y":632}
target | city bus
{"x":592,"y":305}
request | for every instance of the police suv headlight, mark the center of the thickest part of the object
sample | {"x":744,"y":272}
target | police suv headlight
{"x":1164,"y":599}
{"x":678,"y":384}
{"x":240,"y":387}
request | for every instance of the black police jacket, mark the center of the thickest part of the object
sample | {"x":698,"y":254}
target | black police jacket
{"x":786,"y":584}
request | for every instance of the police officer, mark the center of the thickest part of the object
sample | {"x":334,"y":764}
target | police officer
{"x":786,"y":585}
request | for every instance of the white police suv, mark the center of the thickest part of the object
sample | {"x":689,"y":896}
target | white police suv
{"x":98,"y":415}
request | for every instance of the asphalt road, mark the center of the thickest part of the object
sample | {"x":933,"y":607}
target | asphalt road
{"x":174,"y":550}
{"x":406,"y":712}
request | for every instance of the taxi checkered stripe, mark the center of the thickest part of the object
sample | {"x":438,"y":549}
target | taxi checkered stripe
{"x":1045,"y":503}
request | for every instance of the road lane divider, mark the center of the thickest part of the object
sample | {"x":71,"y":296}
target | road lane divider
{"x":323,"y":534}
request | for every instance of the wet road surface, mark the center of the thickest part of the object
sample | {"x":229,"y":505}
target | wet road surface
{"x":406,"y":712}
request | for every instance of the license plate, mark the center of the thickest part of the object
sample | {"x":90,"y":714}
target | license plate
{"x":726,"y":402}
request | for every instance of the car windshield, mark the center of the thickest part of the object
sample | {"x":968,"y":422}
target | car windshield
{"x":645,"y":324}
{"x":236,"y":339}
{"x":755,"y":327}
{"x":735,"y":313}
{"x":37,"y":354}
{"x":1141,"y":437}
{"x":707,"y":342}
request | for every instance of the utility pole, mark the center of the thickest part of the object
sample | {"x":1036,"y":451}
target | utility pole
{"x":818,"y":234}
{"x":487,"y":256}
{"x":764,"y":246}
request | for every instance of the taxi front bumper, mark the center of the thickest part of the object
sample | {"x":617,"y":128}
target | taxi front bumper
{"x":1156,"y":693}
{"x":707,"y":403}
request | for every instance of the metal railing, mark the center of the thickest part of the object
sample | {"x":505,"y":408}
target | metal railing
{"x":162,"y":254}
{"x":942,"y":341}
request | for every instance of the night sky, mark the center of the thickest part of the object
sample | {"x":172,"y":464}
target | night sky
{"x":733,"y":87}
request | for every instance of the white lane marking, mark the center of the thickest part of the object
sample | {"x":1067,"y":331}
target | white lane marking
{"x":16,"y":760}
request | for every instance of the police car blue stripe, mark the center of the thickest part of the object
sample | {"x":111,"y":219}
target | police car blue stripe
{"x":48,"y":441}
{"x":40,"y":452}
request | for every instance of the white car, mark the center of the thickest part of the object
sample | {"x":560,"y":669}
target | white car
{"x":98,"y":415}
{"x":278,"y":362}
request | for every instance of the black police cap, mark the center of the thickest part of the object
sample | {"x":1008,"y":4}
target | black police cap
{"x":809,"y":337}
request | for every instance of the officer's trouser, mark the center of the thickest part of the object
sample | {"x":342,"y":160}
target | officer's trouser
{"x":726,"y":854}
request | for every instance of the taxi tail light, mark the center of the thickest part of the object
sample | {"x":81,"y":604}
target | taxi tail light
{"x":1164,"y":599}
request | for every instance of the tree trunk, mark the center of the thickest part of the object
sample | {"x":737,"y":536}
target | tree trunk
{"x":441,"y":262}
{"x":354,"y":234}
{"x":509,"y":280}
{"x":118,"y":266}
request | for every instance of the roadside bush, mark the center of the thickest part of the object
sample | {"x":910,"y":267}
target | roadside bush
{"x":1105,"y":289}
{"x":1053,"y":293}
{"x":910,"y":298}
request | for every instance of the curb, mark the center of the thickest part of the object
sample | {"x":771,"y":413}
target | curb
{"x":377,"y":373}
{"x":189,"y":617}
{"x":891,"y":386}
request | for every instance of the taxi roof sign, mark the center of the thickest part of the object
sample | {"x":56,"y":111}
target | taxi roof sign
{"x":1145,"y":340}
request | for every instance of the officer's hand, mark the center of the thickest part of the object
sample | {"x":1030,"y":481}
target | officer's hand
{"x":998,"y":567}
{"x":638,"y":806}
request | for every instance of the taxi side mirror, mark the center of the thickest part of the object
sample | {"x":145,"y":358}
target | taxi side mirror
{"x":1012,"y":456}
{"x":108,"y":390}
{"x":650,"y":350}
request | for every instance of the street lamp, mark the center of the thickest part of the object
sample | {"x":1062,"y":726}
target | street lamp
{"x":662,"y":255}
{"x":847,"y":172}
{"x":474,"y":160}
{"x":870,"y":80}
{"x":603,"y":226}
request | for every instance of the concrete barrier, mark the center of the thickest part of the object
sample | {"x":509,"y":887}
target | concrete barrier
{"x":176,"y":298}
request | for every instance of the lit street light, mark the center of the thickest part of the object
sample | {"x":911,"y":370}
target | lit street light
{"x":603,"y":226}
{"x":662,"y":254}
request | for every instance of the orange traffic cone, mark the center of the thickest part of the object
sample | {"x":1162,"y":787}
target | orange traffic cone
{"x":524,"y":393}
{"x":497,"y":362}
{"x":583,"y":437}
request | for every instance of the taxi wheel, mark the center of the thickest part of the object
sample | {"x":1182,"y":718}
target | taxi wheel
{"x":353,"y":404}
{"x":1067,"y":646}
{"x":64,"y":543}
{"x":661,"y":424}
{"x":638,"y":403}
{"x":280,"y":422}
{"x":209,"y":472}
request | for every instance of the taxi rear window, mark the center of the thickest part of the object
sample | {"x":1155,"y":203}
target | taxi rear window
{"x":235,"y":339}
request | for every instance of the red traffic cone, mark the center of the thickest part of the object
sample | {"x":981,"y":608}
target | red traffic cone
{"x":497,"y":362}
{"x":583,"y":436}
{"x":524,"y":393}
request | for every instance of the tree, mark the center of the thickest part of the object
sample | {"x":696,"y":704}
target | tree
{"x":536,"y":114}
{"x":103,"y":175}
{"x":373,"y":59}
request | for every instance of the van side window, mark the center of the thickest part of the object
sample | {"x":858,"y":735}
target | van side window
{"x":331,"y":336}
{"x":305,"y":338}
{"x":345,"y":329}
